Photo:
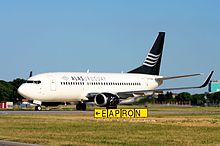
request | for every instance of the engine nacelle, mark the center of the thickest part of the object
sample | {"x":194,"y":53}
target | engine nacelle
{"x":106,"y":100}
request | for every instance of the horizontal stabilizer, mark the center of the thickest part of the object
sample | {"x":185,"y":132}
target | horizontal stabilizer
{"x":181,"y":76}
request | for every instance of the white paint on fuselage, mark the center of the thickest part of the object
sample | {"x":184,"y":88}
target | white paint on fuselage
{"x":67,"y":86}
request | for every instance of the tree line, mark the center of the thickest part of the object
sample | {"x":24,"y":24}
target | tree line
{"x":207,"y":99}
{"x":8,"y":90}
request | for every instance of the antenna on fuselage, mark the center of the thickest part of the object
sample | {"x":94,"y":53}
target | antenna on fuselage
{"x":30,"y":75}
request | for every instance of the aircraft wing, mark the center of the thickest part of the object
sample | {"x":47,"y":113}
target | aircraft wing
{"x":126,"y":94}
{"x":144,"y":92}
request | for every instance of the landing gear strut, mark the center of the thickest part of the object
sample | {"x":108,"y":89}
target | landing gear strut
{"x":81,"y":106}
{"x":38,"y":108}
{"x":111,"y":107}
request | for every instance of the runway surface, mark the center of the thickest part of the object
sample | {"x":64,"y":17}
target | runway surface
{"x":10,"y":143}
{"x":46,"y":112}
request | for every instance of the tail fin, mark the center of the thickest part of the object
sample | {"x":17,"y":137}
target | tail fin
{"x":152,"y":62}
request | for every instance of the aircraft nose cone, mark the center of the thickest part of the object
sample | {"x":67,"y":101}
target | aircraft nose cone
{"x":22,"y":90}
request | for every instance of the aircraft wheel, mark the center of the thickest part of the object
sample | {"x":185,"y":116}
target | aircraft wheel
{"x":78,"y":106}
{"x":83,"y":106}
{"x":38,"y":108}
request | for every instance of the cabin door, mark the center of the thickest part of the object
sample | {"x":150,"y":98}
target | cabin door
{"x":53,"y":85}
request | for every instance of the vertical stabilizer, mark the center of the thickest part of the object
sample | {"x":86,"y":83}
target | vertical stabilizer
{"x":151,"y":64}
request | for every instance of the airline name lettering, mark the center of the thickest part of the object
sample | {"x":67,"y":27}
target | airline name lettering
{"x":87,"y":78}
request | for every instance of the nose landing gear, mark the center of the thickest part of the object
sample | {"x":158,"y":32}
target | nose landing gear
{"x":38,"y":108}
{"x":38,"y":105}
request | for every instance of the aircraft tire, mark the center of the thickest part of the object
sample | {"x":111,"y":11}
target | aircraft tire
{"x":83,"y":106}
{"x":38,"y":108}
{"x":78,"y":107}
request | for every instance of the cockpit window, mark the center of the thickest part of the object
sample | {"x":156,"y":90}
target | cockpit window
{"x":35,"y":82}
{"x":28,"y":81}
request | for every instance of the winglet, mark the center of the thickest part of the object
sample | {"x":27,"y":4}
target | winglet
{"x":207,"y":80}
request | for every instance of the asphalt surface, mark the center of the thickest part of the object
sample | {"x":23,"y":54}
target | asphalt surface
{"x":46,"y":112}
{"x":10,"y":143}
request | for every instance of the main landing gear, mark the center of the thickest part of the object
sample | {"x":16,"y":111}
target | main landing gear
{"x":81,"y":106}
{"x":111,"y":107}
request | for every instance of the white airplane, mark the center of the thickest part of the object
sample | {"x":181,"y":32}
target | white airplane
{"x":104,"y":89}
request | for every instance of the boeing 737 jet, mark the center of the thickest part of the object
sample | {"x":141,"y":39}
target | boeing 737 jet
{"x":104,"y":89}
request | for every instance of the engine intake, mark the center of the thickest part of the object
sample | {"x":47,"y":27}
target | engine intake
{"x":106,"y":100}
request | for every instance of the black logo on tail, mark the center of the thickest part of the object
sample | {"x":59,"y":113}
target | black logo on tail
{"x":151,"y":60}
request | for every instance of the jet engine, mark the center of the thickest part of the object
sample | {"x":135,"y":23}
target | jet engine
{"x":106,"y":100}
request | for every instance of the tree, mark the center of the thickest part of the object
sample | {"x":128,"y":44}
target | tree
{"x":17,"y":82}
{"x":198,"y":99}
{"x":169,"y":96}
{"x":184,"y":96}
{"x":214,"y":98}
{"x":161,"y":98}
{"x":8,"y":90}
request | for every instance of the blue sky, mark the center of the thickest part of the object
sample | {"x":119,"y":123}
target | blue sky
{"x":108,"y":36}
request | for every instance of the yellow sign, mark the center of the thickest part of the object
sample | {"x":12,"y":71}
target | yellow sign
{"x":113,"y":113}
{"x":100,"y":113}
{"x":121,"y":113}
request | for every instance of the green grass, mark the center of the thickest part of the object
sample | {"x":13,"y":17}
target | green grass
{"x":159,"y":129}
